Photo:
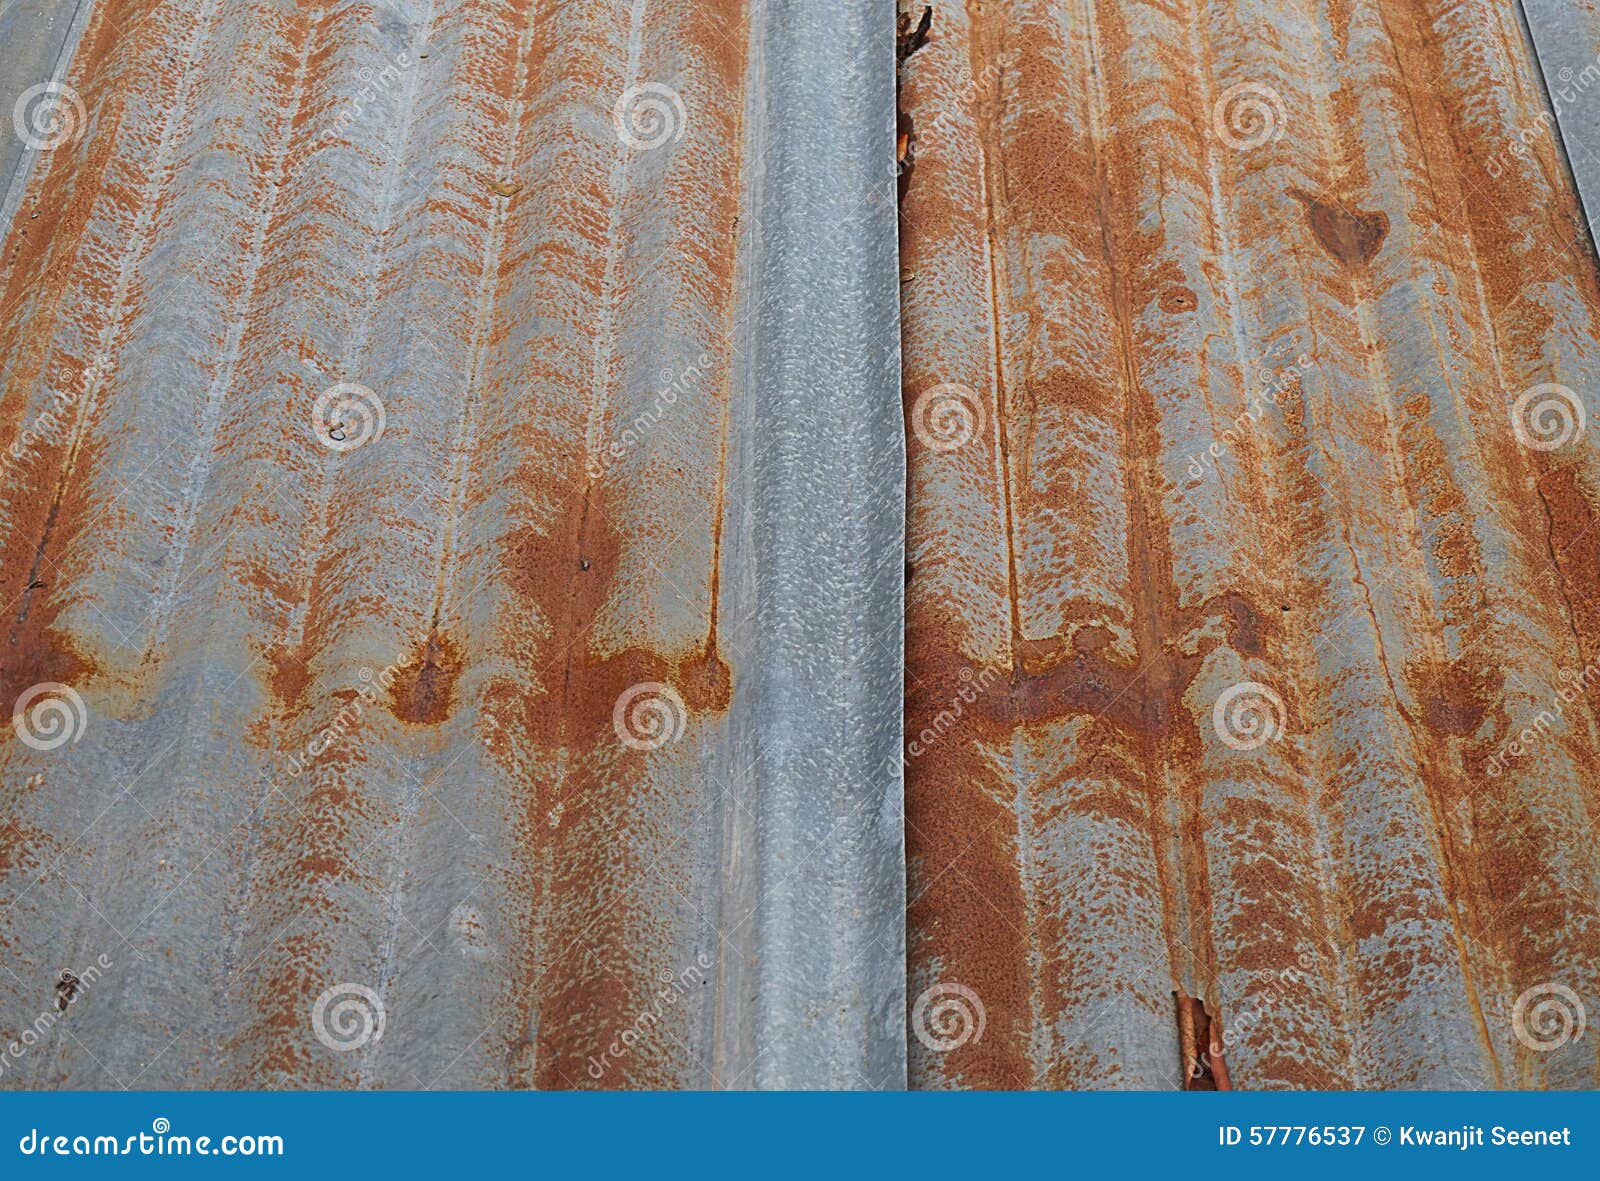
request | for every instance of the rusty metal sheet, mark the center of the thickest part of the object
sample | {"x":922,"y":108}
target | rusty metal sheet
{"x":1253,"y":624}
{"x":452,"y":529}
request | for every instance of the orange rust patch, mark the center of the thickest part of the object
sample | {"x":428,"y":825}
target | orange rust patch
{"x":289,"y":676}
{"x":1352,"y":236}
{"x":424,"y":692}
{"x":20,"y":845}
{"x":1571,"y":538}
{"x":1456,"y":697}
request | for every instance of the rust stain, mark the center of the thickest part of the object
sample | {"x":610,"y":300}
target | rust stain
{"x":1350,"y":235}
{"x":66,"y":989}
{"x":1179,"y":299}
{"x":424,"y":691}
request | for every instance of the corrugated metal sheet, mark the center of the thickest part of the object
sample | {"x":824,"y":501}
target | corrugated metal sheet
{"x":456,"y":516}
{"x":1566,"y":36}
{"x":1254,"y":625}
{"x":455,"y":524}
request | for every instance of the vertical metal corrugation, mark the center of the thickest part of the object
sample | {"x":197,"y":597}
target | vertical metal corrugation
{"x":1240,"y":517}
{"x":557,"y":723}
{"x":815,"y":982}
{"x":1240,"y":565}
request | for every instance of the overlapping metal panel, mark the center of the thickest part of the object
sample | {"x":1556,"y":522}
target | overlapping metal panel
{"x":1566,"y":38}
{"x":452,"y":549}
{"x":1253,"y":624}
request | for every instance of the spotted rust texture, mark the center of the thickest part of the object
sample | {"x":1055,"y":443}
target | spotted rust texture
{"x":1216,"y":350}
{"x":351,"y":713}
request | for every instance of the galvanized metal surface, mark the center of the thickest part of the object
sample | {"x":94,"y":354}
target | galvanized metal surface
{"x":527,"y":715}
{"x":1254,"y":619}
{"x":1566,"y":37}
{"x":36,"y":37}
